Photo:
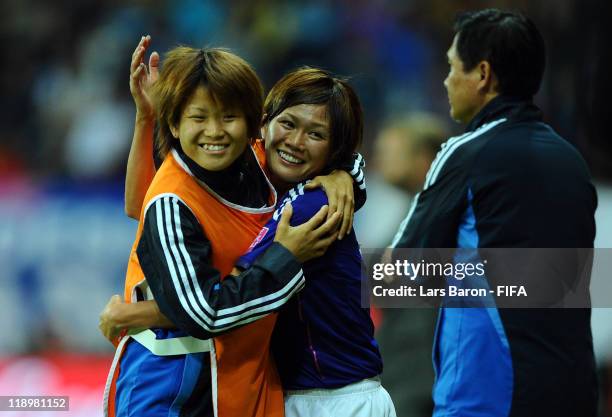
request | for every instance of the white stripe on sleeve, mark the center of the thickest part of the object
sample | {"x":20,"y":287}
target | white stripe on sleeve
{"x":190,"y":293}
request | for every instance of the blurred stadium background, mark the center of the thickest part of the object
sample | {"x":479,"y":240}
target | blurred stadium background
{"x":66,"y":128}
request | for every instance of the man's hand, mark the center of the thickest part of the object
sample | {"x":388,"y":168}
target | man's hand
{"x":142,"y":77}
{"x":338,"y":187}
{"x":311,"y":239}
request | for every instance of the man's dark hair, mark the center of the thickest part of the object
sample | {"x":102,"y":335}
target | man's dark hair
{"x":510,"y":42}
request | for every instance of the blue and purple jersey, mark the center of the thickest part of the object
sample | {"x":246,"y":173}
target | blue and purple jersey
{"x":323,"y":337}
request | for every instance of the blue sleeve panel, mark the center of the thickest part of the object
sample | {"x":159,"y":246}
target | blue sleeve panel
{"x":474,"y":348}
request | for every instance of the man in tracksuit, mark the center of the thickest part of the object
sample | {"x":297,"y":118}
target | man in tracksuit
{"x":509,"y":182}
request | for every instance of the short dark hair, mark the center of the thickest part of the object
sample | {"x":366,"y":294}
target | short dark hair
{"x":308,"y":85}
{"x":510,"y":42}
{"x":229,"y":79}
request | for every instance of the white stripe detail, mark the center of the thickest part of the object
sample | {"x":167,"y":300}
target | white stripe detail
{"x":111,"y":374}
{"x":213,"y":376}
{"x":169,"y":260}
{"x":294,"y":285}
{"x":442,"y":157}
{"x":441,"y":152}
{"x":280,"y":208}
{"x":404,"y":223}
{"x":191,"y":270}
{"x":357,"y":165}
{"x":360,"y":177}
{"x":362,"y":185}
{"x":172,"y":346}
{"x":292,"y":197}
{"x":162,"y":195}
{"x":230,"y":310}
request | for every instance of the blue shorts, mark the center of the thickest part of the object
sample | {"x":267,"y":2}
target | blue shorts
{"x":156,"y":386}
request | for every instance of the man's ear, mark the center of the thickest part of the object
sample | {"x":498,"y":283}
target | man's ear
{"x":488,"y":80}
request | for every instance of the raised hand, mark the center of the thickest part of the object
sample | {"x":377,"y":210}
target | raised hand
{"x":142,"y":76}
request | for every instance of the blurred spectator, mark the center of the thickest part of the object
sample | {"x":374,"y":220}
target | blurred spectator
{"x":73,"y":55}
{"x":405,"y":148}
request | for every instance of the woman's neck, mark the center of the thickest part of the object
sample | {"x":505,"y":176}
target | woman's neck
{"x":280,"y":185}
{"x":241,"y":183}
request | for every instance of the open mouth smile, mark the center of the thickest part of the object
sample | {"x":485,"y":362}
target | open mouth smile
{"x":213,"y":148}
{"x":291,"y":159}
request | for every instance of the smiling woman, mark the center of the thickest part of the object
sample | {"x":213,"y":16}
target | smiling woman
{"x":309,"y":113}
{"x":210,"y":134}
{"x":298,"y":142}
{"x":206,"y":85}
{"x":324,"y":343}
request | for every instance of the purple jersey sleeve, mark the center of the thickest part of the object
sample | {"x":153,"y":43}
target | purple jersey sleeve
{"x":306,"y":203}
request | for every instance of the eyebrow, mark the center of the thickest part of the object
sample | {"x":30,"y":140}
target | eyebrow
{"x":316,"y":124}
{"x":195,"y":108}
{"x":206,"y":110}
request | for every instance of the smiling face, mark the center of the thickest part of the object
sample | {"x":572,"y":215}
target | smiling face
{"x":211,"y":134}
{"x":297,"y":143}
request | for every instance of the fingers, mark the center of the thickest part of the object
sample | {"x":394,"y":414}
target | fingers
{"x":341,"y":208}
{"x":344,"y":224}
{"x":317,"y":182}
{"x":330,"y":226}
{"x":106,"y":323}
{"x":334,"y":204}
{"x":154,"y":66}
{"x":138,"y":54}
{"x":317,"y":219}
{"x":286,"y":214}
{"x":146,"y":41}
{"x":323,"y":243}
{"x":312,"y":184}
{"x":326,"y":243}
{"x":106,"y":330}
{"x":136,"y":77}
